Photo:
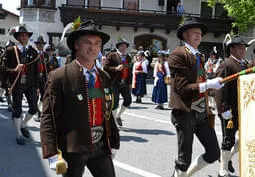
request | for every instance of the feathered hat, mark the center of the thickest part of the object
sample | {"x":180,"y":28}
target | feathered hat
{"x":79,"y":29}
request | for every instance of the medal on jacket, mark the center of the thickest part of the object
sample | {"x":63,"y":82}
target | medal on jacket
{"x":80,"y":97}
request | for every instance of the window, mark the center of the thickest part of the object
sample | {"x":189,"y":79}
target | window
{"x":220,"y":12}
{"x":2,"y":31}
{"x":94,"y":3}
{"x":76,"y":2}
{"x":206,"y":11}
{"x":46,"y":3}
{"x":131,"y":4}
{"x":38,"y":3}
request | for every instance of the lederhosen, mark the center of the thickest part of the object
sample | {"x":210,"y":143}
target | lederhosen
{"x":27,"y":82}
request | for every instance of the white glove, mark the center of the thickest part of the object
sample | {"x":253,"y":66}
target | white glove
{"x":114,"y":152}
{"x":227,"y":115}
{"x":53,"y":161}
{"x":211,"y":84}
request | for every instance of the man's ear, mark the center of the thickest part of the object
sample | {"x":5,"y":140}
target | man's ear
{"x":76,"y":44}
{"x":184,"y":34}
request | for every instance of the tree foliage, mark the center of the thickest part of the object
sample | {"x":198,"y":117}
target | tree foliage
{"x":242,"y":11}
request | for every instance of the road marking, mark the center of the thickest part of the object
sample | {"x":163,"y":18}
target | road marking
{"x":4,"y":117}
{"x":157,"y":120}
{"x":148,"y":118}
{"x":134,"y":170}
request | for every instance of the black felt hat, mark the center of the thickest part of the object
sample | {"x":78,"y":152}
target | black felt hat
{"x":236,"y":40}
{"x":84,"y":29}
{"x":40,"y":40}
{"x":22,"y":29}
{"x":122,"y":41}
{"x":190,"y":23}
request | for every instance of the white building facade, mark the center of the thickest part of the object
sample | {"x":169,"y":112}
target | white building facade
{"x":141,"y":22}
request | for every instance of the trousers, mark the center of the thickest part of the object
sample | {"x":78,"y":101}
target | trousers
{"x":187,"y":125}
{"x":99,"y":164}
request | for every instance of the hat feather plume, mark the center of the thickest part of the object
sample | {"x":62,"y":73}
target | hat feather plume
{"x":72,"y":25}
{"x":251,"y":41}
{"x":67,"y":27}
{"x":215,"y":49}
{"x":12,"y":30}
{"x":227,"y":39}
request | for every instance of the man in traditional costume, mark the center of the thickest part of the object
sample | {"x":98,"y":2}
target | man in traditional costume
{"x":21,"y":65}
{"x":187,"y":98}
{"x":76,"y":117}
{"x":226,"y":99}
{"x":118,"y":66}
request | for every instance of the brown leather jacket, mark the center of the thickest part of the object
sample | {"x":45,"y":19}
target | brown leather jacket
{"x":113,"y":59}
{"x":65,"y":116}
{"x":10,"y":63}
{"x":184,"y":86}
{"x":226,"y":97}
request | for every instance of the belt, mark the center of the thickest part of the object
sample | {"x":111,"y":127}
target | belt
{"x":97,"y":146}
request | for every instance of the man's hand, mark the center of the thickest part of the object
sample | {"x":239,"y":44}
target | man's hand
{"x":119,"y":67}
{"x":53,"y":161}
{"x":227,"y":115}
{"x":211,"y":84}
{"x":114,"y":152}
{"x":19,"y":68}
{"x":214,"y":83}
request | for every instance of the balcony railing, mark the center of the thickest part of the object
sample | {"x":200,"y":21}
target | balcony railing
{"x":141,"y":18}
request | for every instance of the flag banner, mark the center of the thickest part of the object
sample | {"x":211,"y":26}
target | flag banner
{"x":246,"y":108}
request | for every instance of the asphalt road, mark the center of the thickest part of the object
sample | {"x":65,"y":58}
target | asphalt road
{"x":148,"y":146}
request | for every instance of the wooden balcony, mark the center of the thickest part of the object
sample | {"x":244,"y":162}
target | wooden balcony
{"x":142,"y":19}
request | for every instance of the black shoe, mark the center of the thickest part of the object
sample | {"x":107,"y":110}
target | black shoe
{"x":1,"y":99}
{"x":230,"y":167}
{"x":119,"y":121}
{"x":37,"y":119}
{"x":226,"y":175}
{"x":25,"y":132}
{"x":138,"y":100}
{"x":20,"y":141}
{"x":159,"y":107}
{"x":9,"y":108}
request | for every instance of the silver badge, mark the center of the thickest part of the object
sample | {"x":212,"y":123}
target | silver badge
{"x":80,"y":97}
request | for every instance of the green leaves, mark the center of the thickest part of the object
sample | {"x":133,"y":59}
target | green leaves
{"x":242,"y":11}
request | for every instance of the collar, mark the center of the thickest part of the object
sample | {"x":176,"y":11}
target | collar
{"x":193,"y":51}
{"x":20,"y":47}
{"x":120,"y":53}
{"x":84,"y":69}
{"x":238,"y":60}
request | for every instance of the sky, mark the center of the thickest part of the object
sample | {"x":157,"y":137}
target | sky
{"x":11,"y":5}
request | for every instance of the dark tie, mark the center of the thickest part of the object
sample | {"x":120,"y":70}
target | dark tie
{"x":123,"y":58}
{"x":91,"y":82}
{"x":24,"y":52}
{"x":243,"y":65}
{"x":198,"y":60}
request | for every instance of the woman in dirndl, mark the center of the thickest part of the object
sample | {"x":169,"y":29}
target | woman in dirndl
{"x":161,"y":70}
{"x":139,"y":76}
